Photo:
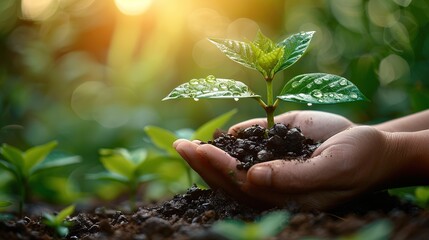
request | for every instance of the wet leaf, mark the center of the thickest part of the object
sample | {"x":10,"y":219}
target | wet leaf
{"x":320,"y":88}
{"x":237,"y":51}
{"x":211,"y":87}
{"x":294,"y":47}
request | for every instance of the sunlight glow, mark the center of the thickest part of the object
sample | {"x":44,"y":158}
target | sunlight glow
{"x":39,"y":10}
{"x":133,"y":7}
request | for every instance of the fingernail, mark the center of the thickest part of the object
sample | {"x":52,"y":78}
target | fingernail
{"x":261,"y":175}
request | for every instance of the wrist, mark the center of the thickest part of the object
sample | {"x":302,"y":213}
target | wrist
{"x":408,"y":154}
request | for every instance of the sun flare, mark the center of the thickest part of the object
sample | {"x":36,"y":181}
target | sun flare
{"x":133,"y":7}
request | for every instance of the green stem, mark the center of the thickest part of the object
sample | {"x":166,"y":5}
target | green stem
{"x":270,"y":106}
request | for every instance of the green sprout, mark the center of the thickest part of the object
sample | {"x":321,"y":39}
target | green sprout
{"x":163,"y":138}
{"x":267,"y":226}
{"x":126,"y":167}
{"x":58,"y":222}
{"x":25,"y":164}
{"x":269,"y":58}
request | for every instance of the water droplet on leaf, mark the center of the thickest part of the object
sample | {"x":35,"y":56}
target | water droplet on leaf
{"x":343,"y":82}
{"x":295,"y":84}
{"x":211,"y":77}
{"x":309,"y":104}
{"x":316,"y":93}
{"x":353,"y":95}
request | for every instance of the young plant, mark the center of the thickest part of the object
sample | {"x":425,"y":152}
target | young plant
{"x":25,"y":164}
{"x":58,"y":222}
{"x":268,"y":226}
{"x":125,"y":167}
{"x":269,"y":58}
{"x":163,"y":138}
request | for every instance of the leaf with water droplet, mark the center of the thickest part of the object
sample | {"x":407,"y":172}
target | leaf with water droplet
{"x":294,"y":47}
{"x":237,"y":51}
{"x":324,"y":89}
{"x":211,"y":87}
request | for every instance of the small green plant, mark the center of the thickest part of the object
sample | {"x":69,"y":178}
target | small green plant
{"x":269,"y":58}
{"x":25,"y":164}
{"x":4,"y":204}
{"x":126,"y":167}
{"x":267,"y":226}
{"x":58,"y":222}
{"x":163,"y":138}
{"x":418,"y":195}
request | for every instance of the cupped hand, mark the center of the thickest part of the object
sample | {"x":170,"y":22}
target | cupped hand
{"x":314,"y":124}
{"x":346,"y":165}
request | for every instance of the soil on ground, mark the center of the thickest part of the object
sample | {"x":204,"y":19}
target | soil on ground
{"x":192,"y":214}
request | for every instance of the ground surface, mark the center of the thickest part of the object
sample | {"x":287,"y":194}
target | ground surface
{"x":191,"y":215}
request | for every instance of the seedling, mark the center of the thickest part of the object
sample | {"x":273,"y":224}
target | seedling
{"x":125,"y":167}
{"x":163,"y":138}
{"x":58,"y":222}
{"x":25,"y":164}
{"x":269,"y":58}
{"x":268,"y":226}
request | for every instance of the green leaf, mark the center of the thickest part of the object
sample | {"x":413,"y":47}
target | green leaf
{"x":14,"y":156}
{"x":109,"y":177}
{"x":294,"y":47}
{"x":62,"y":231}
{"x":147,"y":178}
{"x":422,"y":196}
{"x":211,"y":87}
{"x":37,"y":154}
{"x":263,"y":43}
{"x":230,"y":229}
{"x":63,"y":214}
{"x":237,"y":51}
{"x":268,"y":62}
{"x":9,"y":167}
{"x":118,"y":163}
{"x":162,"y":138}
{"x":57,"y":163}
{"x":205,"y":132}
{"x":380,"y":229}
{"x":5,"y":204}
{"x":272,"y":223}
{"x":320,"y":88}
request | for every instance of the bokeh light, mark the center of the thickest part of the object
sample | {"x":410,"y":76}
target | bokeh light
{"x":39,"y":10}
{"x":133,"y":7}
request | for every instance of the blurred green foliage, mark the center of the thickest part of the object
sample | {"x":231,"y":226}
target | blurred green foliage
{"x":92,"y":77}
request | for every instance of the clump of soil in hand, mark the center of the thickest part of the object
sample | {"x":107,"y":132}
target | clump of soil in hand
{"x":257,"y":144}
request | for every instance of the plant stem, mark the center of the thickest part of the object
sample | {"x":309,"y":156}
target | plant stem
{"x":270,"y":106}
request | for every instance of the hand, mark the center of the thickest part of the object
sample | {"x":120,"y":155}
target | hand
{"x":348,"y":164}
{"x":314,"y":124}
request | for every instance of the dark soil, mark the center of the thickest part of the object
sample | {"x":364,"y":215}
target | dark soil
{"x":257,"y":144}
{"x":191,"y":215}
